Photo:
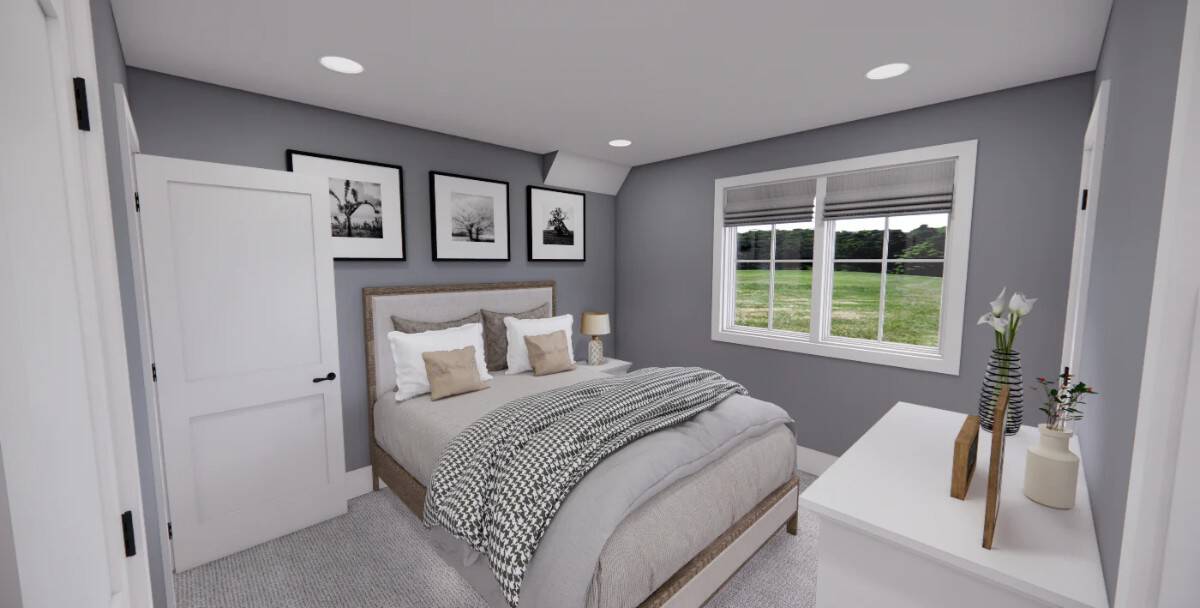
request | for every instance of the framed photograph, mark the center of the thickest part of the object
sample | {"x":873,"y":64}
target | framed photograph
{"x":366,"y":204}
{"x":557,"y":225}
{"x":469,"y":217}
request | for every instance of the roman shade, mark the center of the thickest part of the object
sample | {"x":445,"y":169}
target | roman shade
{"x":774,"y":203}
{"x":900,"y":190}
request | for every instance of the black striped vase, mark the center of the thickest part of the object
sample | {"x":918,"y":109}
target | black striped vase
{"x":1004,"y":367}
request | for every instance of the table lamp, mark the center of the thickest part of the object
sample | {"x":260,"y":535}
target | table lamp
{"x":595,"y":324}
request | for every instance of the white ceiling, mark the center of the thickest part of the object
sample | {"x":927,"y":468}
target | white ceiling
{"x":675,"y":76}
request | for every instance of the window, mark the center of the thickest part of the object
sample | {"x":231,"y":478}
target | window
{"x":861,"y":259}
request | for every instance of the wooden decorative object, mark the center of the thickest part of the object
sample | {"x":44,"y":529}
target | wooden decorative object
{"x":995,"y":470}
{"x":966,"y":446}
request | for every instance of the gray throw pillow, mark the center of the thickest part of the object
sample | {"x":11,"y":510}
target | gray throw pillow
{"x":408,"y":326}
{"x":495,"y":335}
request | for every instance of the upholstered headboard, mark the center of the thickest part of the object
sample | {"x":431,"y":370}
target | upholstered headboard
{"x":435,"y":303}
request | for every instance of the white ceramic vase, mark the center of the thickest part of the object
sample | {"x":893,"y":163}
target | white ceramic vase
{"x":1051,"y":470}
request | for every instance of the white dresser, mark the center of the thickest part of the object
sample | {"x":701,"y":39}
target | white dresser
{"x":891,"y":535}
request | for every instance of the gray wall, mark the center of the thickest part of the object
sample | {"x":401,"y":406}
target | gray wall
{"x":1141,"y":57}
{"x":189,"y":119}
{"x":1027,"y":174}
{"x":110,"y":67}
{"x":10,"y":578}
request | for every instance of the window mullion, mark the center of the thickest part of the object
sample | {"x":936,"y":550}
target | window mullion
{"x":883,"y":278}
{"x":817,"y":316}
{"x":729,"y":282}
{"x":771,"y":284}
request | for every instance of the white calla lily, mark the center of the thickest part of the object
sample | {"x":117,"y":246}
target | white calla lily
{"x":998,"y":303}
{"x":1000,"y":324}
{"x":1020,"y":305}
{"x":1006,"y":317}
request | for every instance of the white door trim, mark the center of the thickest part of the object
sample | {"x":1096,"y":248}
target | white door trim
{"x":1085,"y":227}
{"x":130,"y":145}
{"x":50,"y":522}
{"x":1155,"y":569}
{"x":113,"y":422}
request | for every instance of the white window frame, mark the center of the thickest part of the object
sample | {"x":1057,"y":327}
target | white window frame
{"x":942,"y":359}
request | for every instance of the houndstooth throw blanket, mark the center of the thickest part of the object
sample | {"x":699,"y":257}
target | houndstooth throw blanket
{"x":502,"y":479}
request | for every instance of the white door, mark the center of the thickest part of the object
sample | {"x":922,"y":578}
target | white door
{"x":71,"y":481}
{"x":1085,"y":229}
{"x":240,"y":280}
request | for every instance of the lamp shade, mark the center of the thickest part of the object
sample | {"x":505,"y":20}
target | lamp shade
{"x":594,"y":324}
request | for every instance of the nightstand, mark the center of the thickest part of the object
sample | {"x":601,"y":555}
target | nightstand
{"x":612,"y":367}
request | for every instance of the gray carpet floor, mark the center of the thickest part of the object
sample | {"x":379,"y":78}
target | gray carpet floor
{"x":377,"y":556}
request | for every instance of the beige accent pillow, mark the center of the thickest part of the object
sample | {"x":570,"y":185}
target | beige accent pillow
{"x":408,"y":326}
{"x":452,"y":372}
{"x":495,"y":334}
{"x":549,"y":353}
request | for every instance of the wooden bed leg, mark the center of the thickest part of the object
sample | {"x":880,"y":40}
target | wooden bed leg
{"x":374,"y":480}
{"x":793,"y":524}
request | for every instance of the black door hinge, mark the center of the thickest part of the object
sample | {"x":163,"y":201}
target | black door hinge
{"x":154,"y":372}
{"x":1083,"y":203}
{"x":137,"y":202}
{"x":170,"y":531}
{"x":127,"y":530}
{"x":81,"y":104}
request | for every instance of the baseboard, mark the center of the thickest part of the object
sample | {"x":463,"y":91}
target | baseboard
{"x":812,"y":461}
{"x":358,"y":482}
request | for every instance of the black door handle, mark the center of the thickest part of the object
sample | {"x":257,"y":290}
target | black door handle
{"x":329,"y":376}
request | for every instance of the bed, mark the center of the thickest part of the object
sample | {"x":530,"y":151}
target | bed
{"x":676,"y":548}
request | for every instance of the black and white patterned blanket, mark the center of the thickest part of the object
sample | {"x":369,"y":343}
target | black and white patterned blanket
{"x":502,"y":479}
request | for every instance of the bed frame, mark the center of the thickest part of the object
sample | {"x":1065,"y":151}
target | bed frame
{"x":696,"y":581}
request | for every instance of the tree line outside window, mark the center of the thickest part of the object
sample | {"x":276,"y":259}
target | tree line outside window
{"x":921,"y":243}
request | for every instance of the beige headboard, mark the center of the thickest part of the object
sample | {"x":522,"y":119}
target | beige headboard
{"x":435,"y":303}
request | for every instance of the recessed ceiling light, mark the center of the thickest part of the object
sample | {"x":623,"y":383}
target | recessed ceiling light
{"x":341,"y":65}
{"x":890,"y":70}
{"x":620,"y":143}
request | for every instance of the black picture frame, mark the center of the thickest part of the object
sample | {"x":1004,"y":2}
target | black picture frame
{"x":531,"y":230}
{"x":289,"y":156}
{"x":433,"y":213}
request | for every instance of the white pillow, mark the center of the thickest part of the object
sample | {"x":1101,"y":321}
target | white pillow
{"x":411,"y":378}
{"x":517,"y":329}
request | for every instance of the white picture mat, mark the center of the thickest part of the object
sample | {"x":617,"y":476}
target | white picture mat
{"x":388,"y":178}
{"x":446,"y":247}
{"x":540,"y":203}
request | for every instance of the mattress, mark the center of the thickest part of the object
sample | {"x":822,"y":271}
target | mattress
{"x":650,"y":544}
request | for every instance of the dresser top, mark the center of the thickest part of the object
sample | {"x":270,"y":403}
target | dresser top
{"x":894,"y":483}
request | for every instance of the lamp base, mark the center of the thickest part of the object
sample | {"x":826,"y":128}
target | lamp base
{"x":596,"y":351}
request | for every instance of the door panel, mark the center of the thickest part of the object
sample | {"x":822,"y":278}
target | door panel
{"x":240,"y":282}
{"x":238,"y":464}
{"x":267,"y":316}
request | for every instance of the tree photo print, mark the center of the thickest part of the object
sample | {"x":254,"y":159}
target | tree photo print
{"x":558,"y":228}
{"x":355,"y":208}
{"x":470,"y":217}
{"x":473,"y":218}
{"x":366,"y":204}
{"x":556,"y":224}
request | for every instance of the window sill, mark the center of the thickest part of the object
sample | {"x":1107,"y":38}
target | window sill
{"x":908,"y":357}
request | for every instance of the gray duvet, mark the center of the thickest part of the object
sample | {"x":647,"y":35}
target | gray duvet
{"x":653,"y":488}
